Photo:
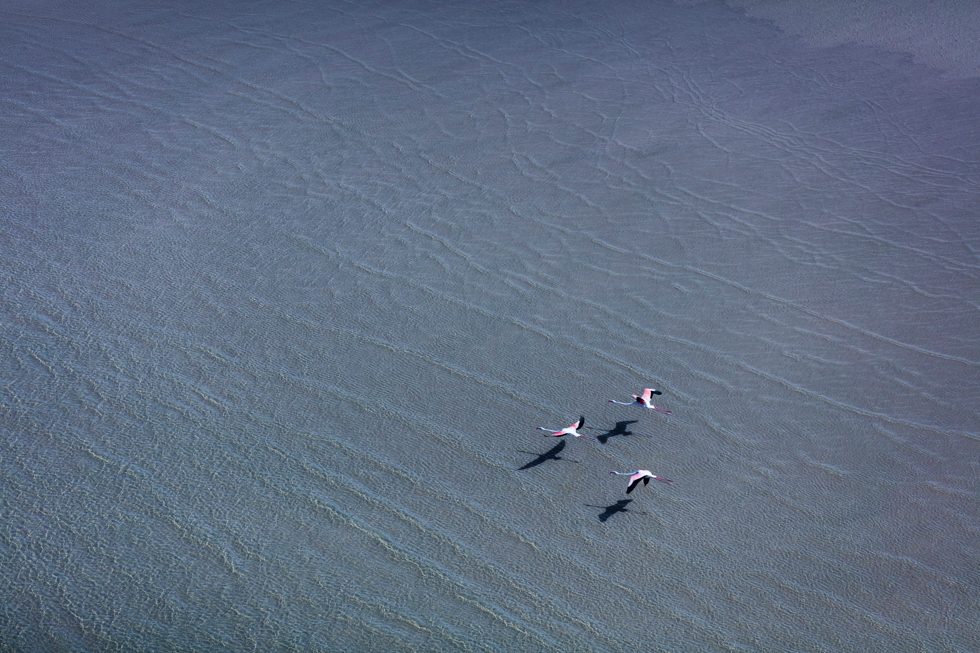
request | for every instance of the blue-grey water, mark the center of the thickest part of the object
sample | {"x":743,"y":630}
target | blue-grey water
{"x":285,"y":289}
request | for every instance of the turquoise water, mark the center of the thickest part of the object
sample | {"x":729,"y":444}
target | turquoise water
{"x":286,"y":290}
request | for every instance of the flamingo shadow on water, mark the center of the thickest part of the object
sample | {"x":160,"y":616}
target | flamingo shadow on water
{"x":614,"y":509}
{"x":619,"y":429}
{"x":550,"y":454}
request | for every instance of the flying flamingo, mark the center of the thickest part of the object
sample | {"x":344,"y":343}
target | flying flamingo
{"x":568,"y":430}
{"x":641,"y":475}
{"x":644,"y":401}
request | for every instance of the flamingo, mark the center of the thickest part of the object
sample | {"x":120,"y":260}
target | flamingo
{"x":568,"y":430}
{"x":640,"y":475}
{"x":644,"y":401}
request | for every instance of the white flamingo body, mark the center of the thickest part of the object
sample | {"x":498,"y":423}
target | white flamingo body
{"x":638,"y":475}
{"x":572,"y":430}
{"x":644,"y":401}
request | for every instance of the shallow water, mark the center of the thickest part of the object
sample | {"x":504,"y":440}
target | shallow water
{"x":287,"y":289}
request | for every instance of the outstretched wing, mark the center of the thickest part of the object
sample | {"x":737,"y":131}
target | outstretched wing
{"x":633,"y":483}
{"x":648,"y":392}
{"x":581,"y":422}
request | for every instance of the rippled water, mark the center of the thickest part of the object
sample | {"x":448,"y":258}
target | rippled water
{"x":286,"y":289}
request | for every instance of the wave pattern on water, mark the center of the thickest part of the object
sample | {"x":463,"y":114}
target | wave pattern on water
{"x":286,"y":290}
